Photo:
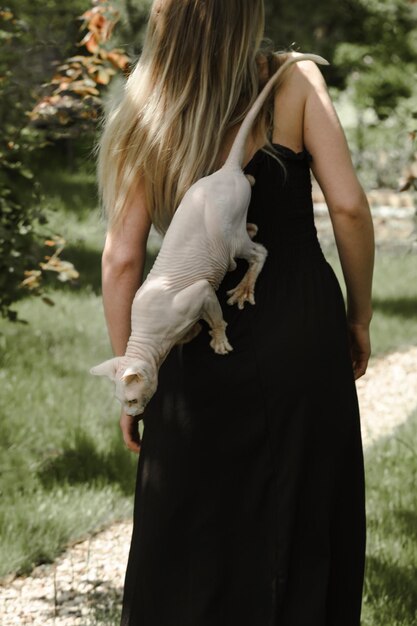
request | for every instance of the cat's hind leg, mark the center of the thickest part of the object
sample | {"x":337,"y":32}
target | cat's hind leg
{"x":199,"y":301}
{"x":255,"y":254}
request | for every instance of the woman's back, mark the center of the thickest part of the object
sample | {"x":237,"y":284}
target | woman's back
{"x":289,"y":102}
{"x":249,"y":504}
{"x":250,"y":475}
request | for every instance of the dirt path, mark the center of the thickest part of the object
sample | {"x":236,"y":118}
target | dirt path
{"x":387,"y":394}
{"x":87,"y":579}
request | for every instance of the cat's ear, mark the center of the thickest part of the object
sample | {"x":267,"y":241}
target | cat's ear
{"x":133,"y":373}
{"x":107,"y":368}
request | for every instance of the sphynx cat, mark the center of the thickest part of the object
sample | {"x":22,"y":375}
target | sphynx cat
{"x":207,"y":233}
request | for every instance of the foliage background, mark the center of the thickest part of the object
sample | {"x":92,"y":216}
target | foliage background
{"x":371,"y":44}
{"x":63,"y":468}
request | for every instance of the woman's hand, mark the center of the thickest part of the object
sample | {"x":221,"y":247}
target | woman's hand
{"x":130,"y":431}
{"x":360,"y":347}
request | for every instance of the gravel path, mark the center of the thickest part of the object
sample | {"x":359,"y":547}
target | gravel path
{"x":387,"y":394}
{"x":86,"y":581}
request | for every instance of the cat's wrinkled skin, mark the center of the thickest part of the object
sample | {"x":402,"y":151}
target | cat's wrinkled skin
{"x":207,"y":233}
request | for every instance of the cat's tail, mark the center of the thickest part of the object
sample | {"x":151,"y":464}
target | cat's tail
{"x":237,"y":151}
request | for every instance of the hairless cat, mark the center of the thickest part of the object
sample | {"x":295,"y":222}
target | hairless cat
{"x":207,"y":233}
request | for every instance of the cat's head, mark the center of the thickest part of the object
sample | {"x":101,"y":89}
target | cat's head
{"x":135,"y":382}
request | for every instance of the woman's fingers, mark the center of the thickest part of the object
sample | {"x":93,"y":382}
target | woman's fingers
{"x":130,"y":432}
{"x":360,"y":367}
{"x":360,"y":348}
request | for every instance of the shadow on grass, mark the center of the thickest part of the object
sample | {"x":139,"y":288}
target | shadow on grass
{"x":405,"y":307}
{"x":77,"y":185}
{"x":88,"y":264}
{"x":407,"y":523}
{"x":106,"y":603}
{"x":87,"y":261}
{"x":103,"y":601}
{"x":81,"y":462}
{"x":395,"y":587}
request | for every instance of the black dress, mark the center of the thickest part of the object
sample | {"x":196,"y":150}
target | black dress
{"x":249,"y":505}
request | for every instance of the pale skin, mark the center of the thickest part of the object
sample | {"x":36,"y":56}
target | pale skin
{"x":305,"y":117}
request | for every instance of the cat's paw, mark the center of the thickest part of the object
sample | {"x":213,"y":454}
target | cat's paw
{"x":244,"y":292}
{"x":220,"y":343}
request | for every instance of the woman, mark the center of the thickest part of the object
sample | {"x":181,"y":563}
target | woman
{"x":249,"y":505}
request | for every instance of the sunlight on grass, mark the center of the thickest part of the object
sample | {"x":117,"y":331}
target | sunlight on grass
{"x":391,"y":474}
{"x":64,"y":469}
{"x":89,"y":233}
{"x":394,"y":321}
{"x":35,"y":529}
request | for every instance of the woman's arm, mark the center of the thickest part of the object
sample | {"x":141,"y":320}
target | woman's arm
{"x":348,"y":207}
{"x":123,"y":263}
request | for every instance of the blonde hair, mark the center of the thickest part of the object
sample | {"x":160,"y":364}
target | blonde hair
{"x":195,"y":79}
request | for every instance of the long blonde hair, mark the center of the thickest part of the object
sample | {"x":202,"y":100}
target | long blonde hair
{"x":195,"y":79}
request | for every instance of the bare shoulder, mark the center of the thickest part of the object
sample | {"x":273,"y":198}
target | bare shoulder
{"x":301,"y":80}
{"x":303,"y":75}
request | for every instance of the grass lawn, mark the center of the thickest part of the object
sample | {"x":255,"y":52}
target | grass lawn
{"x":390,"y":597}
{"x":390,"y":593}
{"x":394,"y":322}
{"x":63,"y":468}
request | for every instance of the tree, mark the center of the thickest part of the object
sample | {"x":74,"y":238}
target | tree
{"x":47,"y":32}
{"x":71,"y":102}
{"x":70,"y":105}
{"x":21,"y":218}
{"x":380,"y":67}
{"x":371,"y":45}
{"x":19,"y":195}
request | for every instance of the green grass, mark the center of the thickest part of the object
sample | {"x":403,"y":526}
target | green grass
{"x":394,"y":320}
{"x":105,"y":613}
{"x":390,"y":592}
{"x":64,"y":470}
{"x":390,"y":597}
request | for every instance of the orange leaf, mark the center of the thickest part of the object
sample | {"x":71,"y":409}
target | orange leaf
{"x":83,"y":90}
{"x":78,"y":58}
{"x":32,"y":280}
{"x":97,"y":22}
{"x":92,"y":45}
{"x":63,"y":85}
{"x":103,"y":77}
{"x":90,"y":42}
{"x":119,"y":60}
